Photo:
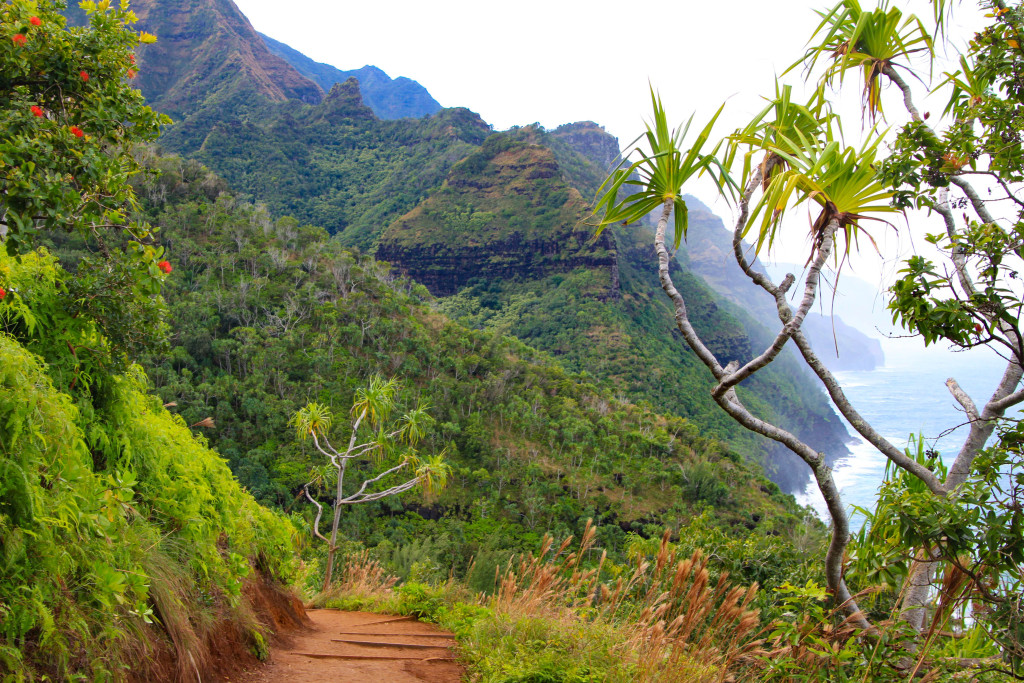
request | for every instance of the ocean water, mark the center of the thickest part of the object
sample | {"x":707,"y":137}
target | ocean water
{"x":907,"y":396}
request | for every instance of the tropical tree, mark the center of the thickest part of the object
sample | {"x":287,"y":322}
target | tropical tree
{"x":794,"y":155}
{"x":70,"y":119}
{"x":382,"y":440}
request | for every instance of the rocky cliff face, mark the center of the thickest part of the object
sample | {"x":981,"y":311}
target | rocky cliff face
{"x":840,"y":346}
{"x":345,"y":101}
{"x":504,"y":212}
{"x":709,"y":254}
{"x":206,"y":49}
{"x":590,"y":141}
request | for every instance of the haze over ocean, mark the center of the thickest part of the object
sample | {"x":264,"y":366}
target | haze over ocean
{"x":907,"y":396}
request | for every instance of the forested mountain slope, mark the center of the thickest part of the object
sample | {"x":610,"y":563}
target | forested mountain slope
{"x":127,"y":548}
{"x":507,"y":218}
{"x":269,"y":314}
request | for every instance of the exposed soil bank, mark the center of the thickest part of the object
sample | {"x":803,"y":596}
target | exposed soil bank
{"x":224,"y":648}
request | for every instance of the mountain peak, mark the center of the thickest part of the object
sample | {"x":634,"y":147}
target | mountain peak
{"x":207,"y":49}
{"x":345,"y":101}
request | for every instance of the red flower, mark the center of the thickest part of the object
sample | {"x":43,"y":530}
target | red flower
{"x":977,"y":327}
{"x":18,"y":39}
{"x":36,"y":111}
{"x":131,"y":73}
{"x":131,"y":58}
{"x":84,"y":75}
{"x":35,"y":21}
{"x":164,"y":266}
{"x":76,"y":131}
{"x":3,"y":292}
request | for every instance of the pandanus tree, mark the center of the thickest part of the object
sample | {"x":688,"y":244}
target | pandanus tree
{"x":373,"y":436}
{"x":962,"y":518}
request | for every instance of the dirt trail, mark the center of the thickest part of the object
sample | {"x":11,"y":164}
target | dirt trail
{"x":359,"y":646}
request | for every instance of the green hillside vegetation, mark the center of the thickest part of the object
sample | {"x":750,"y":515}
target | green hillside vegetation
{"x":446,"y":209}
{"x":334,"y":165}
{"x":126,"y":545}
{"x":125,"y":538}
{"x":267,"y":315}
{"x":504,"y":212}
{"x":506,"y":242}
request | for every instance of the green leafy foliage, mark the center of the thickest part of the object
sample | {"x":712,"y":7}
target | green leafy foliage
{"x":327,"y":165}
{"x":121,"y":532}
{"x":658,"y":176}
{"x":68,"y":116}
{"x":93,"y":497}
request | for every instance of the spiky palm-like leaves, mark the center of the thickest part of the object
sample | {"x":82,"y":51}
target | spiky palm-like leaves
{"x":781,"y":121}
{"x":314,"y":418}
{"x":375,"y":400}
{"x":841,"y":180}
{"x":660,"y":173}
{"x":433,"y":473}
{"x":869,"y":40}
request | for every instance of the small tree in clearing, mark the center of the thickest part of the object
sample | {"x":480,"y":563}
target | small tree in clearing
{"x":386,"y":441}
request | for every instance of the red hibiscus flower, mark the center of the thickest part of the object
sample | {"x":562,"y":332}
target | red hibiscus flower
{"x":3,"y":292}
{"x":84,"y":75}
{"x":164,"y":266}
{"x":18,"y":39}
{"x":36,"y":111}
{"x":35,"y":21}
{"x":76,"y":131}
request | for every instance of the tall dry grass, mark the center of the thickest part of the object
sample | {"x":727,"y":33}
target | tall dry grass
{"x":674,"y":623}
{"x":363,"y":581}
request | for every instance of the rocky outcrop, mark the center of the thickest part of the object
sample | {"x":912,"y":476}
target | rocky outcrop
{"x":345,"y":101}
{"x":504,"y":212}
{"x":590,"y":141}
{"x":444,"y":270}
{"x":840,"y":346}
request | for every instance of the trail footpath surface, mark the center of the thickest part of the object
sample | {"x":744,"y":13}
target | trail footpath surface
{"x":360,"y":646}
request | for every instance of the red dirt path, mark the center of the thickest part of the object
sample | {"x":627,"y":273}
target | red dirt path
{"x":414,"y":652}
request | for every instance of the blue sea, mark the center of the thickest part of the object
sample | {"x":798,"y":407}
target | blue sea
{"x":907,"y":396}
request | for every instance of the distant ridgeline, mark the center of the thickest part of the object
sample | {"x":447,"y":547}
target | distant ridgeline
{"x":708,"y":252}
{"x":496,"y":224}
{"x":388,"y":98}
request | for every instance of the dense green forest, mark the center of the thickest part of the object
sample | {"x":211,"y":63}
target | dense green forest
{"x":266,"y":315}
{"x":152,"y":490}
{"x":414,"y":190}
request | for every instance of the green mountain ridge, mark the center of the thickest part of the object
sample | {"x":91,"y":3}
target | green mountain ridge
{"x":503,"y":212}
{"x":207,"y":51}
{"x":267,"y":315}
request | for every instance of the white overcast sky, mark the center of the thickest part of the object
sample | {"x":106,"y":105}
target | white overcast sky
{"x":559,"y":61}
